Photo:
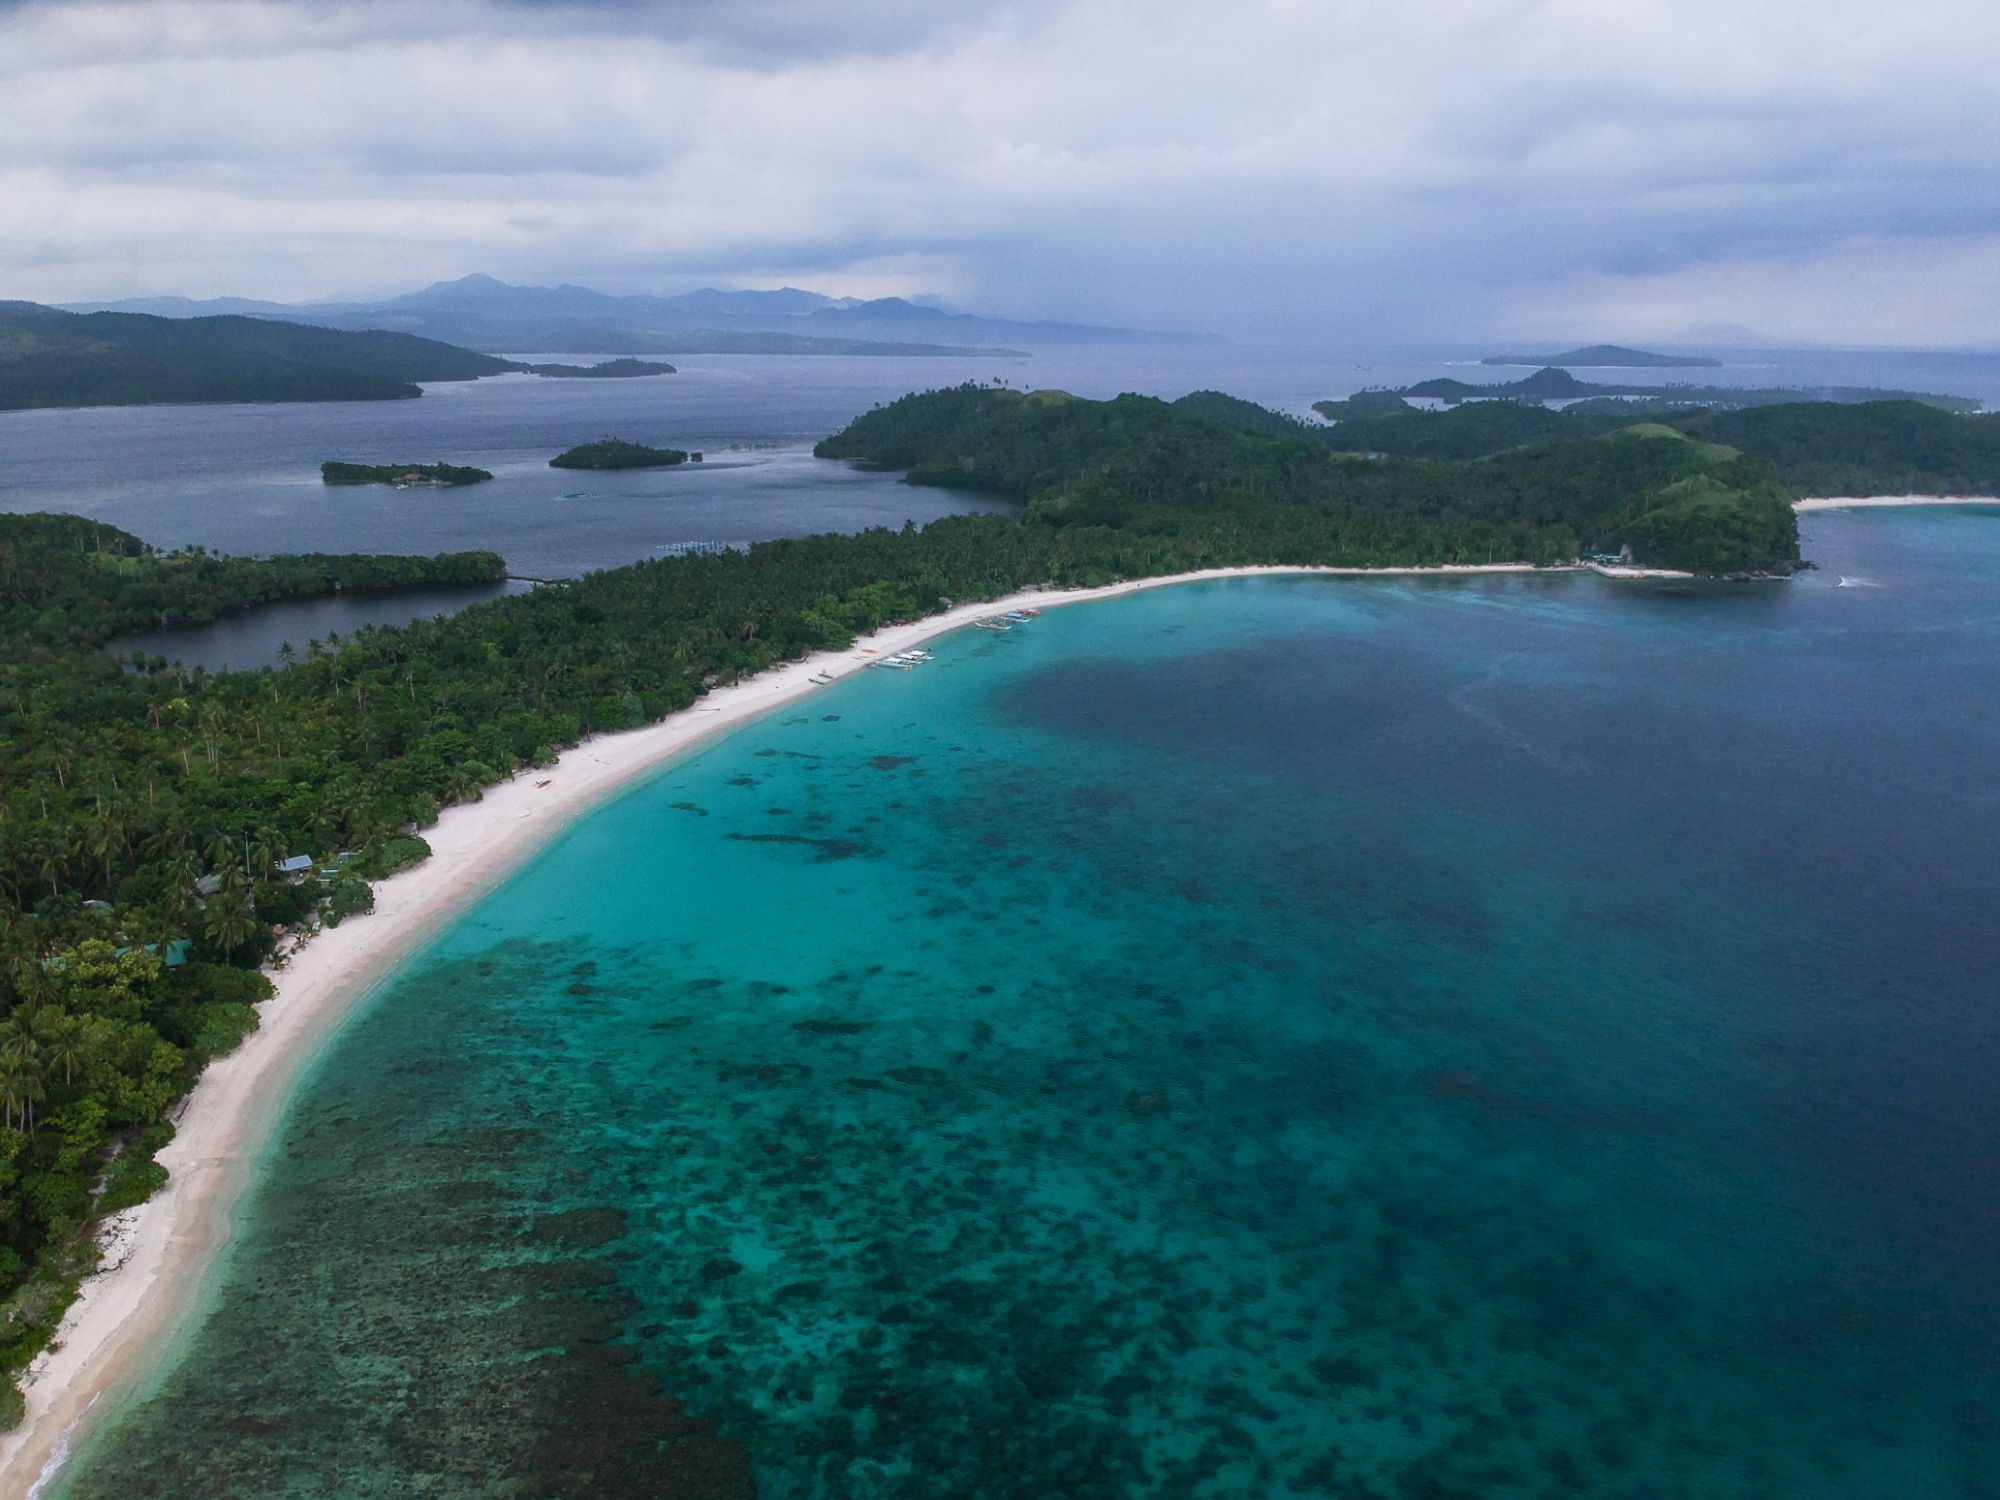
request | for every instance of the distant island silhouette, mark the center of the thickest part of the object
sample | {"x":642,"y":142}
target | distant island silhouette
{"x":1609,"y":356}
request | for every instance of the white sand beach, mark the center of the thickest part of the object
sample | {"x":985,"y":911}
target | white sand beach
{"x":1627,"y":570}
{"x":1869,"y":502}
{"x":157,"y":1254}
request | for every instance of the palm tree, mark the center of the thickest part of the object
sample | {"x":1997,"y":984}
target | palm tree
{"x":102,"y":839}
{"x":231,"y":920}
{"x":31,"y":1090}
{"x":12,"y":1098}
{"x":220,"y":846}
{"x":183,"y":870}
{"x":49,"y":862}
{"x":260,"y":854}
{"x":20,"y":1082}
{"x":170,"y":839}
{"x":61,"y":1038}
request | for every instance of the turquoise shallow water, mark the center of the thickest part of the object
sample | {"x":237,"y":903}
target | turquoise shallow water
{"x":1497,"y":1038}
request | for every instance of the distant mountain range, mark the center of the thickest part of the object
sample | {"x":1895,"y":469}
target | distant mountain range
{"x":479,"y":312}
{"x":54,"y":358}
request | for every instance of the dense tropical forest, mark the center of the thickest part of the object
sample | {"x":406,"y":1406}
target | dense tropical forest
{"x":334,"y":471}
{"x":54,"y":358}
{"x":617,"y":453}
{"x":145,"y":809}
{"x":1254,"y":486}
{"x":128,"y":940}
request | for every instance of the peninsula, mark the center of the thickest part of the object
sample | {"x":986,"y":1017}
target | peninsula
{"x":52,"y":358}
{"x":1819,"y":448}
{"x":617,"y":453}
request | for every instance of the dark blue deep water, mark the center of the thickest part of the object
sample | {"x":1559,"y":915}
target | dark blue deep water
{"x":1496,"y":1038}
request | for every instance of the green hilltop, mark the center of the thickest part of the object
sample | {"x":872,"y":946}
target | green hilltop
{"x":1818,"y":447}
{"x":617,"y":453}
{"x":1219,"y":482}
{"x":52,"y":358}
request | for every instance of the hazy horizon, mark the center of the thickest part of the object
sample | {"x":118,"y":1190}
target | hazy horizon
{"x":1750,"y":175}
{"x":1386,"y":343}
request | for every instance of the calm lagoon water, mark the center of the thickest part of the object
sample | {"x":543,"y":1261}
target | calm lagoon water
{"x":256,"y":637}
{"x":1497,"y":1038}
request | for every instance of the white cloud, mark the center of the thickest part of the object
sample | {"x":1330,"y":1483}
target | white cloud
{"x":1415,"y":169}
{"x":1939,"y":294}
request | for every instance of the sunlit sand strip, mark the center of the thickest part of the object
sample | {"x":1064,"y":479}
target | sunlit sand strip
{"x":127,"y":1314}
{"x":1869,"y":502}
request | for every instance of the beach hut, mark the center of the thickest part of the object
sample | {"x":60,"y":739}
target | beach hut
{"x":294,"y":867}
{"x":172,"y":956}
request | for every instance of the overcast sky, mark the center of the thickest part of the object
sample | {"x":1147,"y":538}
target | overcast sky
{"x":1815,"y":171}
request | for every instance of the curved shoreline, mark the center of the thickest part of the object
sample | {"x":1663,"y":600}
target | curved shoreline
{"x":125,"y":1316}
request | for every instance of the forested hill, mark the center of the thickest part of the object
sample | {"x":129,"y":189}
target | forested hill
{"x":1819,"y":447}
{"x":1197,"y":480}
{"x":51,"y":358}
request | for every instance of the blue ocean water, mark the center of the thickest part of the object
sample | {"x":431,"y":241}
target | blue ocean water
{"x":1505,"y":1037}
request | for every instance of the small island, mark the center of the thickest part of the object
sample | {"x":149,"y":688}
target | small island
{"x":617,"y":453}
{"x":1551,"y":383}
{"x":608,"y":369}
{"x":1609,"y":357}
{"x":402,"y":476}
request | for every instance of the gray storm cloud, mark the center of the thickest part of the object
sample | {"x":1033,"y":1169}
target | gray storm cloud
{"x":1576,"y":167}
